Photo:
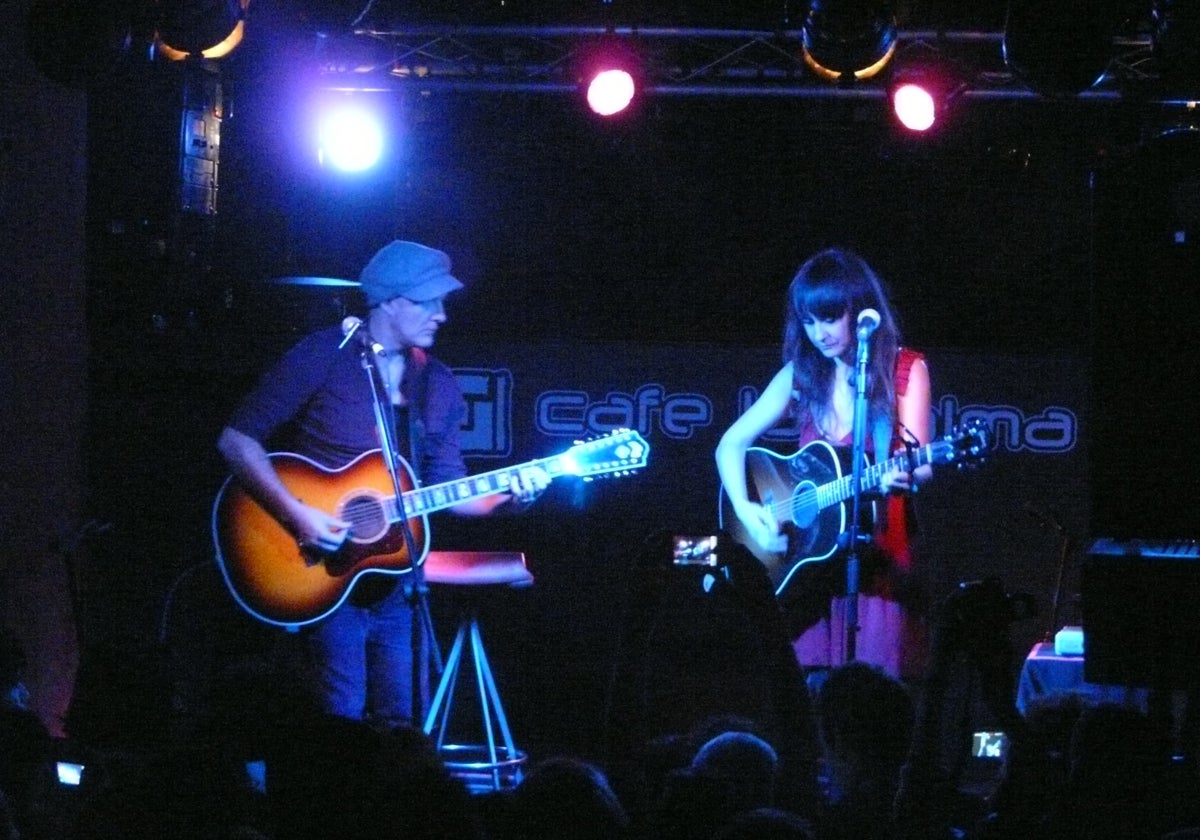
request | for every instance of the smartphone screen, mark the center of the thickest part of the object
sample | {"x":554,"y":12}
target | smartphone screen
{"x":695,"y":551}
{"x":69,"y":773}
{"x":992,"y":745}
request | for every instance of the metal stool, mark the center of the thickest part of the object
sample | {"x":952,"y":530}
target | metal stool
{"x":496,"y":763}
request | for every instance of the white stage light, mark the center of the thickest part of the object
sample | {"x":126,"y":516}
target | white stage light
{"x":350,"y":139}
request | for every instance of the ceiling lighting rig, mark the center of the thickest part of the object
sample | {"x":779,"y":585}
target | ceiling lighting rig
{"x":838,"y":48}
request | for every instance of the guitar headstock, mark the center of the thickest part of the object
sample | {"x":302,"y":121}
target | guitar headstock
{"x":967,"y":445}
{"x":619,"y":452}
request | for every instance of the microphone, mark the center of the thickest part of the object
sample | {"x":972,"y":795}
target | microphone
{"x":350,"y":326}
{"x":868,"y":322}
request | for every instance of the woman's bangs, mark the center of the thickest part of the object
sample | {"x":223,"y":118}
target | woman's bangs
{"x":824,"y":301}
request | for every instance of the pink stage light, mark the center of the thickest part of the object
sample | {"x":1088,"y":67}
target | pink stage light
{"x":914,"y":106}
{"x":610,"y":92}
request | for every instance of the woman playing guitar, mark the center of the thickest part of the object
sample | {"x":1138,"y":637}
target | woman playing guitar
{"x":816,"y":387}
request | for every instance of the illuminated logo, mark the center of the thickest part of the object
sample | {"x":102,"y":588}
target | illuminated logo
{"x":487,"y":428}
{"x":1052,"y":430}
{"x":575,"y":413}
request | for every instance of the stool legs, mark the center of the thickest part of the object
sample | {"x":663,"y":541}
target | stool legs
{"x":498,"y":759}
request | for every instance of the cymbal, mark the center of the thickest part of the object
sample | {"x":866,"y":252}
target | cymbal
{"x":313,"y":281}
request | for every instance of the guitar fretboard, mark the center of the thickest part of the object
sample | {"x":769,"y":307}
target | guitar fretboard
{"x":424,"y":500}
{"x":619,"y":453}
{"x":1188,"y":549}
{"x":838,"y":491}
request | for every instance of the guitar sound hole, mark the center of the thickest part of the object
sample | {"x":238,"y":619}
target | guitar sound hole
{"x":366,"y":518}
{"x":803,"y":507}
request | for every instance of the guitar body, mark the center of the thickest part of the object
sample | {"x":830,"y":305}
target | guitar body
{"x":809,"y":493}
{"x":264,"y":567}
{"x":789,"y":485}
{"x":275,"y":581}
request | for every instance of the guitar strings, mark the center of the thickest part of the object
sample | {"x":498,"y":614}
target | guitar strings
{"x":795,"y":502}
{"x":870,"y":474}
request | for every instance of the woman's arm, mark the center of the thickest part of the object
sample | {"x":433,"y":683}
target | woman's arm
{"x":765,"y":412}
{"x":913,"y":412}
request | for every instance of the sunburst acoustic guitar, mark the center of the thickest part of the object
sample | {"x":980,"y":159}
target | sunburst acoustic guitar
{"x":275,"y":581}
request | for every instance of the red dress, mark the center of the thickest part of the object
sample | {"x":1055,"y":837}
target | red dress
{"x":891,"y":630}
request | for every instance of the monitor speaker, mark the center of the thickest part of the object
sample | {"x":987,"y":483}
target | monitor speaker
{"x":1141,"y":619}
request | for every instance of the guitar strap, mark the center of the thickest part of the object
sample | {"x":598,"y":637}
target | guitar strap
{"x":409,"y":424}
{"x":882,"y":439}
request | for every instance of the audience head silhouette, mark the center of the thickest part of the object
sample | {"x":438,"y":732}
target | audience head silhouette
{"x":567,"y":797}
{"x":865,"y":721}
{"x":745,"y":763}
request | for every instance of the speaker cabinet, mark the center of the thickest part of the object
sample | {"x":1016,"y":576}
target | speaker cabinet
{"x":1141,"y":614}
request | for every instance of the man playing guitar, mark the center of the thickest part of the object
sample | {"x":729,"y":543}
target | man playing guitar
{"x":332,"y":394}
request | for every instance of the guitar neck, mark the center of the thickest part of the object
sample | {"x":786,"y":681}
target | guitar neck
{"x":435,"y":497}
{"x":842,"y":489}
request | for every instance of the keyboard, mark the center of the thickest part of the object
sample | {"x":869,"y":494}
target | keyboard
{"x":1169,"y":549}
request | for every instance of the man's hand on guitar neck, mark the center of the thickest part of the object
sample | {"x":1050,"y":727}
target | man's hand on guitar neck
{"x":527,"y":485}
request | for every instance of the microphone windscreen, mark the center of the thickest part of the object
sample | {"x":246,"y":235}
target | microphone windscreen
{"x":868,"y":318}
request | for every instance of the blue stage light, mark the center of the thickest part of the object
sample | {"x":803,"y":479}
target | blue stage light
{"x":350,"y":139}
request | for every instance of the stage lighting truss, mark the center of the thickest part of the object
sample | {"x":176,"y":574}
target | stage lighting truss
{"x":674,"y":61}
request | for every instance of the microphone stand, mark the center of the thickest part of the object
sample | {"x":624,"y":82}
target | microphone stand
{"x":1064,"y":550}
{"x":415,"y":591}
{"x":858,"y":455}
{"x":1065,"y":543}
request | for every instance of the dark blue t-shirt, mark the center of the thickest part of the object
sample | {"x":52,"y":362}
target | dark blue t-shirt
{"x":316,"y":401}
